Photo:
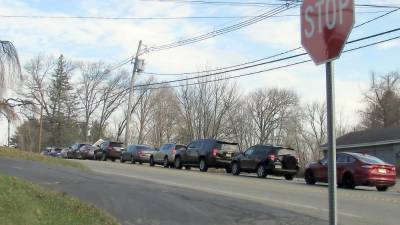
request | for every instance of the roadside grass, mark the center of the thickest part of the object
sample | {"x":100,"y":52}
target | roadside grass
{"x":23,"y":155}
{"x":24,"y":203}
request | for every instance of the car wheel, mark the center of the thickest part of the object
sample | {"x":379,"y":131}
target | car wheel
{"x":188,"y":168}
{"x":382,"y":188}
{"x":235,"y":168}
{"x":122,"y":160}
{"x":261,"y":171}
{"x":309,"y":177}
{"x":177,"y":163}
{"x":228,"y":169}
{"x":166,"y":162}
{"x":348,"y":181}
{"x":203,"y":165}
{"x":289,"y":177}
{"x":141,"y":163}
{"x":113,"y":159}
{"x":103,"y":157}
{"x":151,"y":161}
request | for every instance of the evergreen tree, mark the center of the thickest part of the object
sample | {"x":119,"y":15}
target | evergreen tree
{"x":63,"y":126}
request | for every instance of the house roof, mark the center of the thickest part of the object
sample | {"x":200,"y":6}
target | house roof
{"x":370,"y":137}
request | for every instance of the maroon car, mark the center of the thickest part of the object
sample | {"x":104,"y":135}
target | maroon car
{"x":354,"y":169}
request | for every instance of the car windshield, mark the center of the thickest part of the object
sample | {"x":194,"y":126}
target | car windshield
{"x":116,"y":144}
{"x":369,"y":159}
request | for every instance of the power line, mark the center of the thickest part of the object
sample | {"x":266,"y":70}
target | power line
{"x":259,"y":4}
{"x":271,"y":69}
{"x":264,"y":63}
{"x":258,"y":60}
{"x":156,"y":18}
{"x":222,"y":31}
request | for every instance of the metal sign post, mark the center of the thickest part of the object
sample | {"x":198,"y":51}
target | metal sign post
{"x":330,"y":102}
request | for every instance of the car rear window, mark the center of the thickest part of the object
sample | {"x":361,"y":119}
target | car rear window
{"x":116,"y":144}
{"x":285,"y":151}
{"x":177,"y":147}
{"x":227,"y":147}
{"x":369,"y":159}
{"x":145,"y":148}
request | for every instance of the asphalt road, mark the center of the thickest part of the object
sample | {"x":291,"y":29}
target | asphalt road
{"x":139,"y":194}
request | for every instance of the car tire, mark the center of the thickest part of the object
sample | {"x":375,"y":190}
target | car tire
{"x":235,"y":169}
{"x":103,"y":157}
{"x":309,"y":177}
{"x":151,"y":161}
{"x":188,"y":168}
{"x":348,"y":181}
{"x":122,"y":160}
{"x":166,"y":162}
{"x":261,"y":171}
{"x":113,"y":159}
{"x":382,"y":188}
{"x":289,"y":177}
{"x":228,"y":169}
{"x":178,"y":163}
{"x":203,"y":165}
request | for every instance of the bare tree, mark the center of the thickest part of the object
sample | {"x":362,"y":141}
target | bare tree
{"x":89,"y":90}
{"x":270,"y":108}
{"x":205,"y":108}
{"x":114,"y":96}
{"x":382,"y":102}
{"x":9,"y":64}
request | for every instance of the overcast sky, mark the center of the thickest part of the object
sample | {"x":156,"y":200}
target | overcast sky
{"x":112,"y":41}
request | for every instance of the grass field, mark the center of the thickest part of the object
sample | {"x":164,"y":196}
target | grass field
{"x":23,"y":203}
{"x":18,"y":154}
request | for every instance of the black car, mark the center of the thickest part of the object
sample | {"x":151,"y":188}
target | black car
{"x":137,"y":153}
{"x":166,"y":155}
{"x":265,"y":160}
{"x":83,"y":152}
{"x":69,"y":152}
{"x":205,"y":153}
{"x":110,"y":150}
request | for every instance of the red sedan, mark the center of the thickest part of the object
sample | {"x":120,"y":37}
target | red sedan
{"x":354,"y":169}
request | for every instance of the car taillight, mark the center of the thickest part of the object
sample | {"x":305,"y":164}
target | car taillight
{"x":174,"y":151}
{"x":272,"y":157}
{"x":214,"y":152}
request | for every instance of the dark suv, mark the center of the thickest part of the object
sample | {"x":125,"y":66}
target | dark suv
{"x":267,"y":159}
{"x":205,"y":153}
{"x":166,"y":155}
{"x":110,"y":150}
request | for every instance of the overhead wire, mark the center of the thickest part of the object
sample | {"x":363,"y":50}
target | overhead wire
{"x":222,"y":31}
{"x":270,"y":69}
{"x":261,"y":59}
{"x":264,"y":63}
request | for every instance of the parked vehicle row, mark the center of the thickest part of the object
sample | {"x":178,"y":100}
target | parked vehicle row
{"x":353,"y":169}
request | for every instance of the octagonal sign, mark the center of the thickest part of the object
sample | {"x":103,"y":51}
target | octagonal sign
{"x":325,"y":27}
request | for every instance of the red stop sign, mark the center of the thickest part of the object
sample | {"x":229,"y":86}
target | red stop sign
{"x":325,"y":27}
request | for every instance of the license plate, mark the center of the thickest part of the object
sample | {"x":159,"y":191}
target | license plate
{"x":228,"y":155}
{"x":278,"y":166}
{"x":380,"y":170}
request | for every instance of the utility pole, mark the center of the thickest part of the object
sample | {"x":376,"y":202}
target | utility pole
{"x":131,"y":92}
{"x":40,"y":129}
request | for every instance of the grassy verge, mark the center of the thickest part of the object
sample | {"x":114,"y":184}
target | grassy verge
{"x":18,"y":154}
{"x":24,"y":203}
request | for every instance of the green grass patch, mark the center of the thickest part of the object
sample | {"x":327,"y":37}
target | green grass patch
{"x":23,"y":203}
{"x":23,"y":155}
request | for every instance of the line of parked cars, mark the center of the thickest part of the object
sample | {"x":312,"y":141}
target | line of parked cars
{"x":353,"y":169}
